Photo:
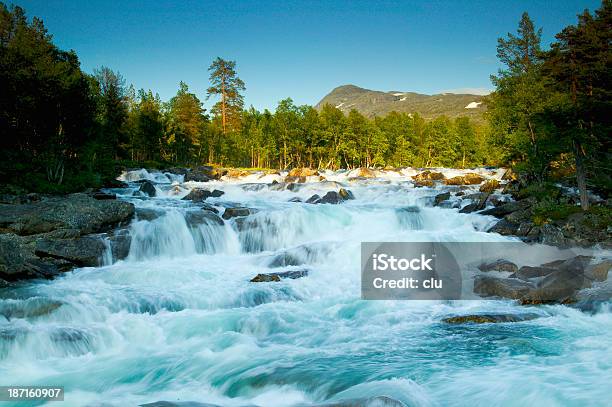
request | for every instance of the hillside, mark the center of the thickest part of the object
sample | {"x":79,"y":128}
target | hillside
{"x":376,"y":103}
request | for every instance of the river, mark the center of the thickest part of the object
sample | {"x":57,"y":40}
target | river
{"x":179,"y":320}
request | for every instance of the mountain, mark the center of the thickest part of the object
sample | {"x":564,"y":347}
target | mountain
{"x":376,"y":103}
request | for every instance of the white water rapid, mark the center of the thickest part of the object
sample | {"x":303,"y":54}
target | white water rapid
{"x":179,"y":320}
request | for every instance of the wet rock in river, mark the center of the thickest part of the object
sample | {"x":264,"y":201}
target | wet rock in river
{"x":438,"y":199}
{"x":275,"y":277}
{"x":148,"y":188}
{"x":527,"y":272}
{"x":489,"y":318}
{"x":198,"y":194}
{"x":194,"y":218}
{"x":499,"y":265}
{"x":75,"y":211}
{"x":501,"y":287}
{"x":84,"y":251}
{"x":235,"y":212}
{"x":302,"y":172}
{"x":428,"y":175}
{"x":598,"y":271}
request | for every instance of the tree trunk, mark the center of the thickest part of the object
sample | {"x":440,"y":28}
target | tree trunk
{"x":581,"y":176}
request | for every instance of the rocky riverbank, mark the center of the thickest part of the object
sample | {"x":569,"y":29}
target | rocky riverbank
{"x":41,"y":236}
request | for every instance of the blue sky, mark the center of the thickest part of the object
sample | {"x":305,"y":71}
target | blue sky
{"x":297,"y":49}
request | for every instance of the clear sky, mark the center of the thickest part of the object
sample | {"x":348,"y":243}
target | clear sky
{"x":297,"y":49}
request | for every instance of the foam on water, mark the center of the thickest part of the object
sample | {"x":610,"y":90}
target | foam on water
{"x":179,"y":320}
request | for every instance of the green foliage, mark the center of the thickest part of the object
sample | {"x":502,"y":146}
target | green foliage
{"x":540,"y":191}
{"x":549,"y":115}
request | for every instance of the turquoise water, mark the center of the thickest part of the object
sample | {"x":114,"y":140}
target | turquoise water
{"x":179,"y":319}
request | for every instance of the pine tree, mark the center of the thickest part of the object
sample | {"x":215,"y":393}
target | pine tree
{"x":226,"y":84}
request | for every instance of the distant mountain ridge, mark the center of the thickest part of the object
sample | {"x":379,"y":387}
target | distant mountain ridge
{"x":377,"y":103}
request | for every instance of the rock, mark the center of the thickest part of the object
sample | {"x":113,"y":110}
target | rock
{"x":460,"y":193}
{"x":467,"y":179}
{"x":489,"y":318}
{"x":208,"y":207}
{"x":196,"y":177}
{"x":499,"y":265}
{"x":364,"y":172}
{"x":314,"y":199}
{"x":204,"y":173}
{"x":472,"y":179}
{"x":236,"y":173}
{"x":302,"y":172}
{"x":234,"y":212}
{"x":332,"y":197}
{"x":295,"y":199}
{"x":194,"y":218}
{"x":489,"y":186}
{"x":509,"y":207}
{"x":527,"y":272}
{"x":479,"y":202}
{"x":274,"y":277}
{"x":103,"y":196}
{"x":345,"y":194}
{"x":441,"y":198}
{"x":598,"y":271}
{"x":428,"y":175}
{"x":504,"y":227}
{"x":198,"y":194}
{"x":148,"y":188}
{"x":75,"y":211}
{"x":424,"y":183}
{"x":265,"y":278}
{"x":501,"y":287}
{"x":552,"y":235}
{"x":84,"y":251}
{"x":293,"y":187}
{"x":561,"y":284}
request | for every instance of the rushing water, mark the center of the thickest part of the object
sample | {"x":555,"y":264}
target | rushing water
{"x":179,"y":320}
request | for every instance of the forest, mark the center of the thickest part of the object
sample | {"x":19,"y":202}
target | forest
{"x":64,"y":130}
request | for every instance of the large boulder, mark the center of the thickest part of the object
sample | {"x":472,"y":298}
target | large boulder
{"x":148,"y":188}
{"x":331,"y":197}
{"x":83,"y":251}
{"x":466,"y":179}
{"x":428,"y":175}
{"x":499,"y":265}
{"x":478,"y":202}
{"x":364,"y":172}
{"x":236,"y":212}
{"x":501,"y":287}
{"x":302,"y":172}
{"x":75,"y":211}
{"x":194,"y":218}
{"x":204,"y":173}
{"x":198,"y":194}
{"x":509,"y":207}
